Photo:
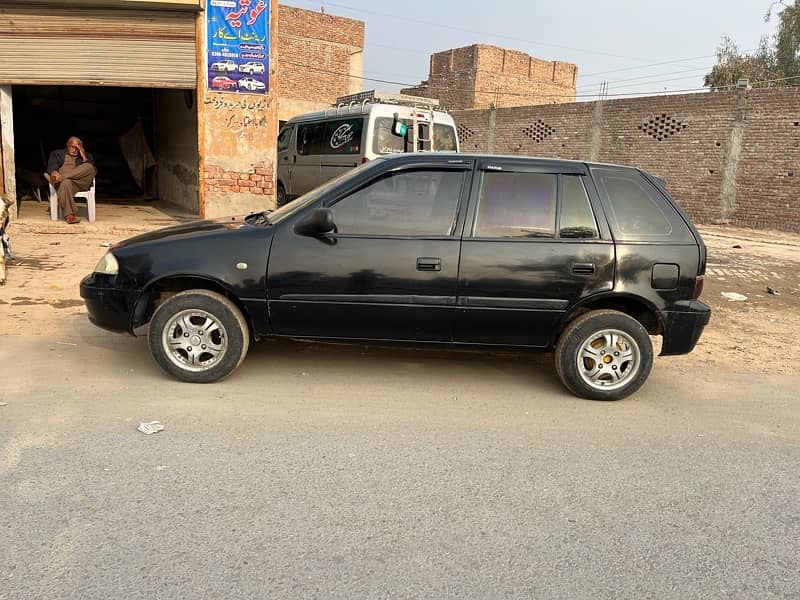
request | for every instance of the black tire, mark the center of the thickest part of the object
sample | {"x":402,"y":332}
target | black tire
{"x":634,"y":358}
{"x":168,"y":335}
{"x":281,"y":195}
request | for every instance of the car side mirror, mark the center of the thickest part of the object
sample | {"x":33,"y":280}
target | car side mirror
{"x":319,"y":222}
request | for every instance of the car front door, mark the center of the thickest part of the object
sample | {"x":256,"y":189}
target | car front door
{"x":389,"y":271}
{"x":532,"y":248}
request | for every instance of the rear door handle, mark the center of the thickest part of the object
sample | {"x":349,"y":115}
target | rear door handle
{"x":426,"y":263}
{"x":583,"y":268}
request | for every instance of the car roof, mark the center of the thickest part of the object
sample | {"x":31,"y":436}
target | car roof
{"x":411,"y":157}
{"x":363,"y":110}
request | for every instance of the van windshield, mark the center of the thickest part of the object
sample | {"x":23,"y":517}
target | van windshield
{"x":384,"y":142}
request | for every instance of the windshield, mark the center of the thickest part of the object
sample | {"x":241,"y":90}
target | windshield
{"x":292,"y":207}
{"x":384,"y":142}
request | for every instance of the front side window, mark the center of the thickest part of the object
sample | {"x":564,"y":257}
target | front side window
{"x":421,"y":202}
{"x":577,"y":220}
{"x":637,"y":212}
{"x":309,"y":138}
{"x":517,"y":205}
{"x":284,"y":138}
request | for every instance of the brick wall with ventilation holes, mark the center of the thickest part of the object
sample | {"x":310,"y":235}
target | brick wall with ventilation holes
{"x":728,"y":157}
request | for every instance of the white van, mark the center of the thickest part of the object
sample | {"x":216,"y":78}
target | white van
{"x":316,"y":147}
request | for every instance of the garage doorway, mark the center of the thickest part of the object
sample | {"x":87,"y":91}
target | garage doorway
{"x":144,"y":141}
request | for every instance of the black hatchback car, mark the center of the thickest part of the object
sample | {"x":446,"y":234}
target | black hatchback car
{"x":586,"y":259}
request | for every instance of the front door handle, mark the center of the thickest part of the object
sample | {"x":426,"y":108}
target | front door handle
{"x":426,"y":263}
{"x":583,"y":268}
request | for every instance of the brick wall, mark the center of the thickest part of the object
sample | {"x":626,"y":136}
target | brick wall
{"x":315,"y":54}
{"x":257,"y":181}
{"x":726,"y":156}
{"x":480,"y":75}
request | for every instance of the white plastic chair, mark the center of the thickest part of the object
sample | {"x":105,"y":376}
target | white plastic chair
{"x":55,"y":210}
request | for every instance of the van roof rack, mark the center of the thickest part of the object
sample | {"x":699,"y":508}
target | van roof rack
{"x":374,"y":97}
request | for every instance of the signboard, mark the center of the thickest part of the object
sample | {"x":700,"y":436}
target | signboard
{"x":238,"y":46}
{"x":147,"y":4}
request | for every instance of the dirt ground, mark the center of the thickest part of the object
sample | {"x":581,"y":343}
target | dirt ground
{"x":757,"y":335}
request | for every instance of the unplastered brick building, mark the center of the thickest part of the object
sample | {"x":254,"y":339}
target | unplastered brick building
{"x":320,"y":57}
{"x":481,"y":75}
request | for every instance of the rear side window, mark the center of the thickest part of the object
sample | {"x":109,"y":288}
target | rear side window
{"x":517,"y":205}
{"x":343,"y":137}
{"x":309,"y":138}
{"x":577,"y":220}
{"x":637,"y":212}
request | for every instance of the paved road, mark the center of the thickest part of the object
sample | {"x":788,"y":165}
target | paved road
{"x":344,"y":472}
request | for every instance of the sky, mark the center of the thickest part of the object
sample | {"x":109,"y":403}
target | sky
{"x":618,"y":41}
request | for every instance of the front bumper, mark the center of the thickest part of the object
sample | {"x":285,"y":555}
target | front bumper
{"x":109,"y":307}
{"x":683,"y":327}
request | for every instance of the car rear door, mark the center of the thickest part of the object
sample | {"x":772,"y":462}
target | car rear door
{"x":532,"y":248}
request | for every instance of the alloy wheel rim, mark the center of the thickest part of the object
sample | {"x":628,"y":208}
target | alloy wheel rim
{"x":194,"y":340}
{"x":608,"y":359}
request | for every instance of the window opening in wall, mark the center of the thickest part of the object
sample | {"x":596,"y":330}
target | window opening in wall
{"x":539,"y":131}
{"x":662,"y":127}
{"x":464,"y":133}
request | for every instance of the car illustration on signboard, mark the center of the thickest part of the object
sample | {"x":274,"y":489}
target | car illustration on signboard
{"x":251,"y":85}
{"x":252,"y":68}
{"x":223,"y":83}
{"x":224,"y":66}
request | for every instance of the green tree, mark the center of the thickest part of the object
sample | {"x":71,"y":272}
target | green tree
{"x":787,"y":39}
{"x":733,"y":65}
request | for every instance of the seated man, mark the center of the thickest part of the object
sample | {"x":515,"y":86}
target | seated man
{"x":71,"y":171}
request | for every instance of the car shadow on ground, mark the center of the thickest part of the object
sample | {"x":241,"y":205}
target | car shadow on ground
{"x":341,"y":362}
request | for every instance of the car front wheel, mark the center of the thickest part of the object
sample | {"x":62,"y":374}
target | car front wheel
{"x":198,"y":336}
{"x":604,"y":355}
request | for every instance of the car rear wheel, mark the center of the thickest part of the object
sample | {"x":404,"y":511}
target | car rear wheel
{"x":604,"y":355}
{"x":198,"y":336}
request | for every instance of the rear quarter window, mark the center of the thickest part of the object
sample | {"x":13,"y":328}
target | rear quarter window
{"x":637,"y":211}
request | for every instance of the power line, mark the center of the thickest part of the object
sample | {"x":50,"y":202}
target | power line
{"x":529,"y":95}
{"x":483,"y":33}
{"x":656,"y":75}
{"x":472,"y":31}
{"x":668,"y":62}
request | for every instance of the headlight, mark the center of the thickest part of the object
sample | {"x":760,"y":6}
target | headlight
{"x":108,"y":265}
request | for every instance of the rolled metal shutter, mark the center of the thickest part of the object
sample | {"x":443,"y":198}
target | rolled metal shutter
{"x":90,"y":46}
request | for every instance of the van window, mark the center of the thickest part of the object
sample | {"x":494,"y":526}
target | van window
{"x":343,"y":137}
{"x":309,"y":138}
{"x":384,"y":142}
{"x":444,"y":138}
{"x":284,"y":138}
